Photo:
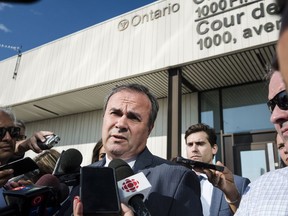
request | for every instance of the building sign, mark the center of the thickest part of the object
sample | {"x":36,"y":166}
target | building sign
{"x":150,"y":16}
{"x":234,"y":22}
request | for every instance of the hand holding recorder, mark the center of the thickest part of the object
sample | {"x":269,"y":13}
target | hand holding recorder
{"x":218,"y":174}
{"x":39,"y":141}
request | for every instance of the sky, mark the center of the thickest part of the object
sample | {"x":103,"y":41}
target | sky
{"x":32,"y":25}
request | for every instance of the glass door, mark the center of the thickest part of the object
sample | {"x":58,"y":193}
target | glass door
{"x":256,"y":159}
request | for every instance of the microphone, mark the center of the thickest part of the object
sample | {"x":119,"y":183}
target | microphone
{"x":99,"y":191}
{"x":67,"y":168}
{"x":133,"y":188}
{"x":26,"y":200}
{"x":60,"y":190}
{"x":71,"y":161}
{"x":43,"y":198}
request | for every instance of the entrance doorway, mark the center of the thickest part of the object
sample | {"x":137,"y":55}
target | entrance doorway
{"x":250,"y":154}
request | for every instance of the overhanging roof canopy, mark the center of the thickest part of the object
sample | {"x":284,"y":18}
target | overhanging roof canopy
{"x":247,"y":66}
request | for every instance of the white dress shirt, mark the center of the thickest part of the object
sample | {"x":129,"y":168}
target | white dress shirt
{"x":206,"y":194}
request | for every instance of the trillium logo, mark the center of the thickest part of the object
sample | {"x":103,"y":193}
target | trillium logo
{"x":130,"y":185}
{"x":149,"y":16}
{"x":123,"y":25}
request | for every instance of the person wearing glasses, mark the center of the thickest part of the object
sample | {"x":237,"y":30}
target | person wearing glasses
{"x":10,"y":133}
{"x":268,"y":194}
{"x":8,"y":136}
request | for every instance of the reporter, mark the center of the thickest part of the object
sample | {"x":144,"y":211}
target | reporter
{"x":31,"y":143}
{"x":8,"y":135}
{"x":24,"y":144}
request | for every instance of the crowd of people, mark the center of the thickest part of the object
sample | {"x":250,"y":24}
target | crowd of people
{"x":130,"y":112}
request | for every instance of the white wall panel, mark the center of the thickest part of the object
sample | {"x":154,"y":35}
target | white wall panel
{"x":157,"y":142}
{"x":189,"y":116}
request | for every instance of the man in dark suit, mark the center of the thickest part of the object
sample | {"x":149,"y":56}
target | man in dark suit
{"x":220,"y":191}
{"x":129,"y":115}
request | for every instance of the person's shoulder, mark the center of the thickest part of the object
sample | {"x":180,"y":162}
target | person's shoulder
{"x":159,"y":160}
{"x":281,"y":173}
{"x":168,"y":163}
{"x":98,"y":163}
{"x":269,"y":177}
{"x":240,"y":178}
{"x":163,"y":165}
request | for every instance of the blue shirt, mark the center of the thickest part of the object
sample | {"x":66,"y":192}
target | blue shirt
{"x":266,"y":196}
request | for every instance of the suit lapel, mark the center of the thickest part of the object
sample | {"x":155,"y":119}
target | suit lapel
{"x":144,"y":160}
{"x":217,"y":196}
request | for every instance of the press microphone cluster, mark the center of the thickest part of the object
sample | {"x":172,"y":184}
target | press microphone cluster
{"x":43,"y":198}
{"x":68,"y":166}
{"x":133,"y":188}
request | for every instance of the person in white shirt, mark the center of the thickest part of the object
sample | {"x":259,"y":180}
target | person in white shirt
{"x":220,"y":191}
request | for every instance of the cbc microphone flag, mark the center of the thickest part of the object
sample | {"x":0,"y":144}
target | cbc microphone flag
{"x":132,"y":185}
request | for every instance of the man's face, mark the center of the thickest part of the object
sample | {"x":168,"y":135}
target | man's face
{"x":282,"y":149}
{"x":198,"y":147}
{"x":125,"y":124}
{"x":278,"y":117}
{"x":7,"y":144}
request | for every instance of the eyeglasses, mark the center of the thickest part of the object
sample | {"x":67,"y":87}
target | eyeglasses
{"x":281,"y":100}
{"x":13,"y":131}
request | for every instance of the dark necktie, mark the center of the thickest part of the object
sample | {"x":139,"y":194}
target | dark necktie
{"x":200,"y":177}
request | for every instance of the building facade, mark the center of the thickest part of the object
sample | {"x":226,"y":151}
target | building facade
{"x":204,"y":60}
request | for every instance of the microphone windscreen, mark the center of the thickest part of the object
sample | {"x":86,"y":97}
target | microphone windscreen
{"x":48,"y":180}
{"x":122,"y":169}
{"x":71,"y":161}
{"x":61,"y":189}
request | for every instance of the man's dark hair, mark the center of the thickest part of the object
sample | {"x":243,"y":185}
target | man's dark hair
{"x":211,"y":134}
{"x":140,"y":89}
